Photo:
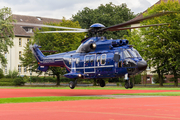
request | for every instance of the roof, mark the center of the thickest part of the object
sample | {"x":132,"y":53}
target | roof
{"x":19,"y":29}
{"x":141,"y":15}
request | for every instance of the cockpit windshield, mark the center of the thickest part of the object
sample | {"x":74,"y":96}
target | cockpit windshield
{"x":127,"y":54}
{"x":131,"y":53}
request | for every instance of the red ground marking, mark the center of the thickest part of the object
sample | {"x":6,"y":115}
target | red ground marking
{"x":10,"y":93}
{"x":153,"y":108}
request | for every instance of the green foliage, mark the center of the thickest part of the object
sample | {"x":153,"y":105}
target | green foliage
{"x":107,"y":15}
{"x":137,"y":79}
{"x":62,"y":42}
{"x":6,"y":33}
{"x":19,"y":81}
{"x":155,"y":78}
{"x":6,"y":80}
{"x":163,"y":43}
{"x":12,"y":74}
{"x":1,"y":73}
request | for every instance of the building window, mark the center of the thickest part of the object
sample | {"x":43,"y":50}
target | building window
{"x":19,"y":54}
{"x":28,"y":29}
{"x":27,"y":40}
{"x":5,"y":55}
{"x":148,"y":67}
{"x":148,"y":79}
{"x":25,"y":69}
{"x":20,"y":42}
{"x":19,"y":68}
{"x":5,"y":70}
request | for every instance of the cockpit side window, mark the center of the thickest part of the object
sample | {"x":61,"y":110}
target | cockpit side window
{"x":132,"y":53}
{"x":127,"y":54}
{"x":138,"y":55}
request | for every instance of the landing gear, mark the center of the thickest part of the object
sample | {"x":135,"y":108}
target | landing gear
{"x":128,"y":84}
{"x":72,"y":84}
{"x":102,"y":83}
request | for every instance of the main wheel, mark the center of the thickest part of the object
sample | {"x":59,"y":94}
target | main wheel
{"x":126,"y":85}
{"x":131,"y":85}
{"x":102,"y":83}
{"x":72,"y":84}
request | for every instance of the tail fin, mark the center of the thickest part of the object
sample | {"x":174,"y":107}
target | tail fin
{"x":37,"y":53}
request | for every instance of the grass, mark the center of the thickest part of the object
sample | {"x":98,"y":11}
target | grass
{"x":155,"y":94}
{"x":48,"y":99}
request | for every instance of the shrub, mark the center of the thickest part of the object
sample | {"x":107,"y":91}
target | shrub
{"x":1,"y":73}
{"x":6,"y":80}
{"x":19,"y":81}
{"x":12,"y":74}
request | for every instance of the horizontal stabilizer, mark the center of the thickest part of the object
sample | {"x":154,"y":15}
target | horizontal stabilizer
{"x":43,"y":68}
{"x":73,"y":75}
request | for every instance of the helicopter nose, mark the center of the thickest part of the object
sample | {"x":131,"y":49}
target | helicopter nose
{"x":142,"y":65}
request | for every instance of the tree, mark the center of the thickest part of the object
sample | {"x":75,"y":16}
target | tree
{"x":6,"y":32}
{"x":61,"y":42}
{"x":107,"y":15}
{"x":163,"y":43}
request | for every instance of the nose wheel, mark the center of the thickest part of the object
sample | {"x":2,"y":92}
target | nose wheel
{"x":102,"y":83}
{"x":72,"y":84}
{"x":128,"y":84}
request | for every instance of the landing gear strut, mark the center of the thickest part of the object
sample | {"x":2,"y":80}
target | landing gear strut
{"x":102,"y":83}
{"x":72,"y":84}
{"x":128,"y":84}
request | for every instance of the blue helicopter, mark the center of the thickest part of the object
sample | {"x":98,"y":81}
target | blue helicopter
{"x":97,"y":57}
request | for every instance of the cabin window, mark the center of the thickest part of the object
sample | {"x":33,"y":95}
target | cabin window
{"x":87,"y":59}
{"x":69,"y":61}
{"x":92,"y":59}
{"x":77,"y":61}
{"x":103,"y":59}
{"x":98,"y":58}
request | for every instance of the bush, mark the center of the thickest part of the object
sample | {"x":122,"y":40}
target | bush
{"x":6,"y":84}
{"x":12,"y":74}
{"x":1,"y":73}
{"x":19,"y":81}
{"x":137,"y":79}
{"x":6,"y":80}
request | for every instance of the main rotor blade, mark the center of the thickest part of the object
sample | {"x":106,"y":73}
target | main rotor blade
{"x":115,"y":27}
{"x":125,"y":28}
{"x":49,"y":26}
{"x":64,"y":31}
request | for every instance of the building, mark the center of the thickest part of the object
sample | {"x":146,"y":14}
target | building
{"x":22,"y":37}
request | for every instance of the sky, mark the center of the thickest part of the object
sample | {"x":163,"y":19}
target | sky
{"x":66,"y":8}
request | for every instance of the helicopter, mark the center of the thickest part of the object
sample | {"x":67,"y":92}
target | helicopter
{"x":97,"y":57}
